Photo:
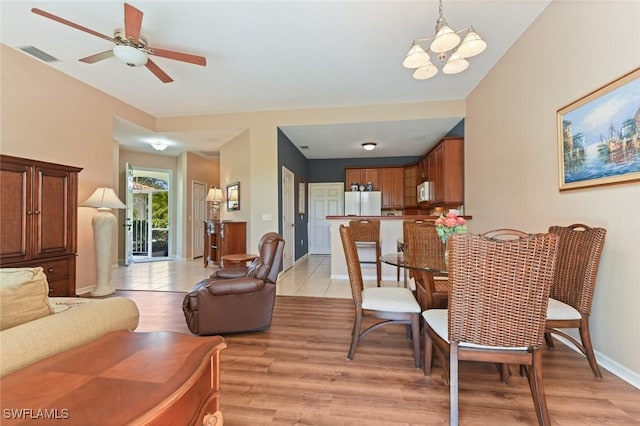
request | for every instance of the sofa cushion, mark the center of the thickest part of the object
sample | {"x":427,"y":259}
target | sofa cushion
{"x":24,"y":296}
{"x":85,"y":321}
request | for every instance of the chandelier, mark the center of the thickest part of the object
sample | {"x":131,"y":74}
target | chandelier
{"x":448,"y":48}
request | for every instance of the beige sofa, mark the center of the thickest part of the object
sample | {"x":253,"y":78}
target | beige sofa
{"x":34,"y":326}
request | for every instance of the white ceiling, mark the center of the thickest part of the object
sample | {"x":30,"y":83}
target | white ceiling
{"x":274,"y":55}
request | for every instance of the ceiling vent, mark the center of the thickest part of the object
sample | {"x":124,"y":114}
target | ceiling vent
{"x":34,"y":51}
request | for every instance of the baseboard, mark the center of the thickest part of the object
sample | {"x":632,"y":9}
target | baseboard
{"x":84,"y":290}
{"x":608,"y":364}
{"x":284,"y":273}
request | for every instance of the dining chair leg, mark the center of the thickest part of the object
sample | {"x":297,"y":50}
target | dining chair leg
{"x":534,"y":374}
{"x":415,"y":331}
{"x":585,"y":336}
{"x":355,"y":335}
{"x":428,"y":351}
{"x":548,"y":340}
{"x":453,"y":384}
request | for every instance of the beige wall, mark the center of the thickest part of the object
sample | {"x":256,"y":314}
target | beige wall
{"x":49,"y":116}
{"x":511,"y":153}
{"x":203,"y":170}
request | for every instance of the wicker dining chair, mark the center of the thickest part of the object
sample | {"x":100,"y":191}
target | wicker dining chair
{"x":497,"y":309}
{"x":392,"y":305}
{"x":424,"y":246}
{"x":571,"y":297}
{"x":366,"y":234}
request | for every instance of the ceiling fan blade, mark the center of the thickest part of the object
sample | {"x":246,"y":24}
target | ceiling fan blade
{"x":69,"y":23}
{"x":155,"y":69}
{"x":97,"y":57}
{"x":178,"y":56}
{"x":132,"y":22}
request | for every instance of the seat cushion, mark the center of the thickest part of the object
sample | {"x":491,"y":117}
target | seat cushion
{"x":438,"y":320}
{"x":24,"y":296}
{"x":389,"y":299}
{"x":557,"y":310}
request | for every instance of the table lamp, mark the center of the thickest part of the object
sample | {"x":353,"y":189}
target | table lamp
{"x":215,"y":197}
{"x":103,"y":223}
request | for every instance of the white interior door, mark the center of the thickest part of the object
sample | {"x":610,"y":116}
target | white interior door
{"x":288,"y":219}
{"x":325,"y":199}
{"x":128,"y":223}
{"x":198,"y":217}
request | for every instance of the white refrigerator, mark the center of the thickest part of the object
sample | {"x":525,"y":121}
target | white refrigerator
{"x":363,"y":203}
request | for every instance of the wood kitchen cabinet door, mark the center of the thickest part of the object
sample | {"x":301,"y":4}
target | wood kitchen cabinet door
{"x":361,"y":177}
{"x":392,"y":187}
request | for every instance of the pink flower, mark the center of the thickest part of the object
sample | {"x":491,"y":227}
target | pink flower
{"x":440,"y":221}
{"x":450,"y":221}
{"x":461,"y":221}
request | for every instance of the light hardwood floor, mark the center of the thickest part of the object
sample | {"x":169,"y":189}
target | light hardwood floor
{"x":297,"y":373}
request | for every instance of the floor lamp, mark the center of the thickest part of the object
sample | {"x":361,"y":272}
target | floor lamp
{"x":215,"y":197}
{"x":103,"y":223}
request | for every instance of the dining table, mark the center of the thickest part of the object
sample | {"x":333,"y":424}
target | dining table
{"x":432,"y":287}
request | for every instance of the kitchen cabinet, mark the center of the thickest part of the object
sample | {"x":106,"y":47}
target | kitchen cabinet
{"x":361,"y":176}
{"x":444,"y":168}
{"x":391,"y":181}
{"x":222,"y":238}
{"x":38,"y":219}
{"x":411,"y":181}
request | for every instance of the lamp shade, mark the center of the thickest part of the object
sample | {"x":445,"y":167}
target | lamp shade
{"x":425,"y":72}
{"x":416,"y":57}
{"x":455,"y":64}
{"x":104,"y":198}
{"x":215,"y":194}
{"x":472,"y":45}
{"x":233,"y":195}
{"x":446,"y":39}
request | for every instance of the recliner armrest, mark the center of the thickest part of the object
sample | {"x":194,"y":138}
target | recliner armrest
{"x":235,"y":286}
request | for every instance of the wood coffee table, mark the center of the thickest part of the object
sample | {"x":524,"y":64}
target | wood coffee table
{"x":239,"y":259}
{"x":121,"y":378}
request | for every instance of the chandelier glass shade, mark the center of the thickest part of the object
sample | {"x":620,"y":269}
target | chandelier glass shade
{"x":451,"y":50}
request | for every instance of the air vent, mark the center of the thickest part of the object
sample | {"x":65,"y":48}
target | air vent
{"x":34,"y":51}
{"x":304,"y":147}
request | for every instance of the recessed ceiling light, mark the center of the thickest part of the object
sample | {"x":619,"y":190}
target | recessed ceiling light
{"x":369,"y":145}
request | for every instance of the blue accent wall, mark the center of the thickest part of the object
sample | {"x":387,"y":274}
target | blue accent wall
{"x":290,"y":157}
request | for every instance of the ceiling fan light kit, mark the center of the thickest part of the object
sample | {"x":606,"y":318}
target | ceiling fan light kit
{"x":130,"y":55}
{"x":450,"y":50}
{"x":130,"y":46}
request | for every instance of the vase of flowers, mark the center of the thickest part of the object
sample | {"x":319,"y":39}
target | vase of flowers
{"x":449,"y":224}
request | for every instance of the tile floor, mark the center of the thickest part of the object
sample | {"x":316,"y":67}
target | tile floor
{"x":309,"y":277}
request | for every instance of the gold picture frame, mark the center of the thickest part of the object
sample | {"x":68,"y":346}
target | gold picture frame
{"x":598,"y":136}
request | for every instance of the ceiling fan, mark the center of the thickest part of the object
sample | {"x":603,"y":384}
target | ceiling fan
{"x":130,"y":46}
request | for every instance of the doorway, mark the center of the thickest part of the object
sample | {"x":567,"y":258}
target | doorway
{"x":325,"y":199}
{"x":149,"y":215}
{"x":288,"y":219}
{"x":199,"y":217}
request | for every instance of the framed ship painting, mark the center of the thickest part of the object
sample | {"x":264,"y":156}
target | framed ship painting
{"x":599,"y":136}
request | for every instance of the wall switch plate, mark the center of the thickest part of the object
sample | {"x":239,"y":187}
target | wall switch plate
{"x":266,"y":216}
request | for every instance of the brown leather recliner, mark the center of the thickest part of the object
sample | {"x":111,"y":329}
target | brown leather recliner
{"x":231,"y":305}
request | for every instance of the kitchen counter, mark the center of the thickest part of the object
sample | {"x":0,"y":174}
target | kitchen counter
{"x":390,"y":233}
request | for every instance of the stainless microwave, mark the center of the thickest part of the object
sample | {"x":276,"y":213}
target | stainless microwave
{"x":424,"y":192}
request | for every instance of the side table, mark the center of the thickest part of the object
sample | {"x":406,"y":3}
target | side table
{"x":239,"y":259}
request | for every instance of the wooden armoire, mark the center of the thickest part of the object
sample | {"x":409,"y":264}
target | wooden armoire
{"x":38,"y":219}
